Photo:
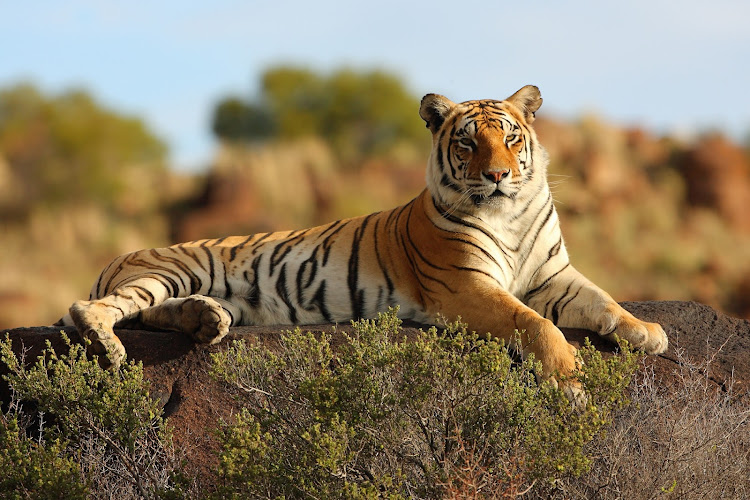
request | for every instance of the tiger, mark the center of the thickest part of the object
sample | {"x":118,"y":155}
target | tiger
{"x":481,"y":242}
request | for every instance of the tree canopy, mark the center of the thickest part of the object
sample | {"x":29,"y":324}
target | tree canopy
{"x":358,"y":112}
{"x":69,"y":147}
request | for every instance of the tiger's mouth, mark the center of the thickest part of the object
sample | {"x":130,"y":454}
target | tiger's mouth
{"x":482,"y":198}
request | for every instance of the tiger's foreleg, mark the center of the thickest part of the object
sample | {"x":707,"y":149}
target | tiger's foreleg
{"x":502,"y":315}
{"x":571,"y":300}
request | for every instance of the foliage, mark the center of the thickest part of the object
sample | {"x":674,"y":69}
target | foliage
{"x":70,"y":148}
{"x":682,"y":438}
{"x":380,"y":415}
{"x":102,"y":425}
{"x":359,"y":113}
{"x":35,"y":470}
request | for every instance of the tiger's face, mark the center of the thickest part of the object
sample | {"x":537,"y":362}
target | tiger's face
{"x":485,"y":154}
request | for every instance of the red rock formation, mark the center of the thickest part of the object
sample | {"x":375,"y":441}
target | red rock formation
{"x":717,"y":173}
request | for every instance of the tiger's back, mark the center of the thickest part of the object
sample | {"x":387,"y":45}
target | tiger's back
{"x":482,"y":241}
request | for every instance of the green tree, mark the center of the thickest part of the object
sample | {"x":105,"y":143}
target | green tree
{"x":359,"y":113}
{"x":70,"y":148}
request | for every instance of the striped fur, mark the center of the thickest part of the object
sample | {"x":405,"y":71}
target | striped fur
{"x":482,"y":242}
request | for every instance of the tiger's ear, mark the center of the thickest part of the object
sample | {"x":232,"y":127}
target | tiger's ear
{"x":528,"y":100}
{"x":434,"y":110}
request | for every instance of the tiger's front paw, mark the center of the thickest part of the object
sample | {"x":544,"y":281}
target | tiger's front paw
{"x":560,"y":363}
{"x":649,"y":337}
{"x":107,"y":347}
{"x":93,"y":322}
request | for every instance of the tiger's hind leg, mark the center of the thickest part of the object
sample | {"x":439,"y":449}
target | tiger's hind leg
{"x":205,"y":319}
{"x":570,"y":300}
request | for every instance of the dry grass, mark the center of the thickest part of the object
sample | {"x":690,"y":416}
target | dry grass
{"x":688,"y":439}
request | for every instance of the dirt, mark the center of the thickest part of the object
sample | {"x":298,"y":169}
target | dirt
{"x":195,"y":403}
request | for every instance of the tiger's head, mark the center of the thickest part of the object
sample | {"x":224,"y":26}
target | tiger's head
{"x":485,"y":155}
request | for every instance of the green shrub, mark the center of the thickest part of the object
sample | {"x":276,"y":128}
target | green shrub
{"x":35,"y":470}
{"x":445,"y":414}
{"x":100,"y":425}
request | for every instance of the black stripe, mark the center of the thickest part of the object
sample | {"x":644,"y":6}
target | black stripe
{"x":173,"y":288}
{"x":227,"y":287}
{"x":119,"y":268}
{"x":319,"y":300}
{"x":479,"y":271}
{"x":446,"y":182}
{"x":356,"y":295}
{"x":383,"y":269}
{"x":555,"y":311}
{"x":152,"y":268}
{"x":118,"y":308}
{"x":145,"y":294}
{"x":563,"y":306}
{"x":492,"y":237}
{"x":277,"y":256}
{"x":195,"y":283}
{"x":192,"y":255}
{"x":211,"y":267}
{"x":416,"y":247}
{"x":329,"y":240}
{"x":417,"y":269}
{"x":545,"y":283}
{"x":481,"y":249}
{"x":231,"y":316}
{"x":532,"y":198}
{"x":331,"y":227}
{"x":555,"y":248}
{"x":283,"y":292}
{"x":538,"y":229}
{"x":256,"y":244}
{"x":236,"y":248}
{"x":253,"y":295}
{"x":101,"y":276}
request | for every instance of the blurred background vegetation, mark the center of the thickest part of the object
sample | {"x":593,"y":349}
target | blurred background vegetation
{"x":645,"y":216}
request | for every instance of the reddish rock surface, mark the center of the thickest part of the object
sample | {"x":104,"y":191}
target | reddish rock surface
{"x":717,"y":173}
{"x":194,"y":402}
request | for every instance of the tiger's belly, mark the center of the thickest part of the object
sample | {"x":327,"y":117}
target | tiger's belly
{"x":294,"y":295}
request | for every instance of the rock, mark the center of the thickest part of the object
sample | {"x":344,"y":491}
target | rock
{"x":717,"y":173}
{"x":194,"y":402}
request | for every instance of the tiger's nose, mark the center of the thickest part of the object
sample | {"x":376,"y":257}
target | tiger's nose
{"x":496,"y":175}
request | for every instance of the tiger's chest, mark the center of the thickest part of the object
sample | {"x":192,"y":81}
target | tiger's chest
{"x":522,"y":250}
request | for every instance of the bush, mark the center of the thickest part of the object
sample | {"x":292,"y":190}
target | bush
{"x":100,"y":433}
{"x":32,"y":469}
{"x":443,"y":415}
{"x":688,"y":439}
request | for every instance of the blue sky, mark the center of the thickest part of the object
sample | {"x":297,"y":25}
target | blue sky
{"x":667,"y":65}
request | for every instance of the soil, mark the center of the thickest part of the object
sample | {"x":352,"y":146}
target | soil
{"x":195,"y":403}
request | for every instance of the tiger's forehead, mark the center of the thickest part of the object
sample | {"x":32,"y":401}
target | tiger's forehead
{"x":487,"y":113}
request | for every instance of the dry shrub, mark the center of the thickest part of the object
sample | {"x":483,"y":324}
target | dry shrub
{"x":685,"y":439}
